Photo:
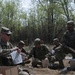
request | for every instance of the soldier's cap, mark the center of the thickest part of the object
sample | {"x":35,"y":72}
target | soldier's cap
{"x":70,"y":22}
{"x":37,"y":40}
{"x":22,"y":42}
{"x":6,"y":30}
{"x":56,"y":39}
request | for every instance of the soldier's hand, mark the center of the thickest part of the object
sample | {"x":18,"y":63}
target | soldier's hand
{"x":19,"y":50}
{"x":26,"y":58}
{"x":14,"y":49}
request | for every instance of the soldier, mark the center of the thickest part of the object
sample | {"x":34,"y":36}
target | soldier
{"x":21,"y":46}
{"x":19,"y":57}
{"x":23,"y":52}
{"x":5,"y":45}
{"x":5,"y":37}
{"x":68,"y":45}
{"x":68,"y":42}
{"x":38,"y":53}
{"x":58,"y":52}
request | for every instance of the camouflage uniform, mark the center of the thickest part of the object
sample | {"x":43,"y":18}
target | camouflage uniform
{"x":4,"y":45}
{"x":21,"y":46}
{"x":38,"y":54}
{"x":69,"y":40}
{"x":24,"y":51}
{"x":59,"y":55}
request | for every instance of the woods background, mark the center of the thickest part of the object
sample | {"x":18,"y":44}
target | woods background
{"x":45,"y":19}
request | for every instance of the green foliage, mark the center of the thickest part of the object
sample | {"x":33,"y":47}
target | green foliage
{"x":44,"y":20}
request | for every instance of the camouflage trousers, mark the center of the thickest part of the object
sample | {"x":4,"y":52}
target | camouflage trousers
{"x":40,"y":63}
{"x":36,"y":62}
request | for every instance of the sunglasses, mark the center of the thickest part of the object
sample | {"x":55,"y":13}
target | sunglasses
{"x":8,"y":34}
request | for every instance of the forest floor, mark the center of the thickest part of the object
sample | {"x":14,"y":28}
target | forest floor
{"x":47,"y":71}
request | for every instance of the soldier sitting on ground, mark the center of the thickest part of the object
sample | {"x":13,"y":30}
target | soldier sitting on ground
{"x":24,"y":53}
{"x":21,"y":55}
{"x":58,"y":55}
{"x":38,"y":53}
{"x":22,"y":45}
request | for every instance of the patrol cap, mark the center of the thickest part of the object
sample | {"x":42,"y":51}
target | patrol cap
{"x":6,"y":30}
{"x":56,"y":39}
{"x":70,"y":22}
{"x":37,"y":41}
{"x":22,"y":42}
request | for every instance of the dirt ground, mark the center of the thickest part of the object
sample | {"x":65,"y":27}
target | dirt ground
{"x":47,"y":71}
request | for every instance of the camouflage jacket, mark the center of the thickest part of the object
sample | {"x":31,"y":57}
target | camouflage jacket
{"x":69,"y":39}
{"x":24,"y":51}
{"x":59,"y":55}
{"x":39,"y":53}
{"x":3,"y":46}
